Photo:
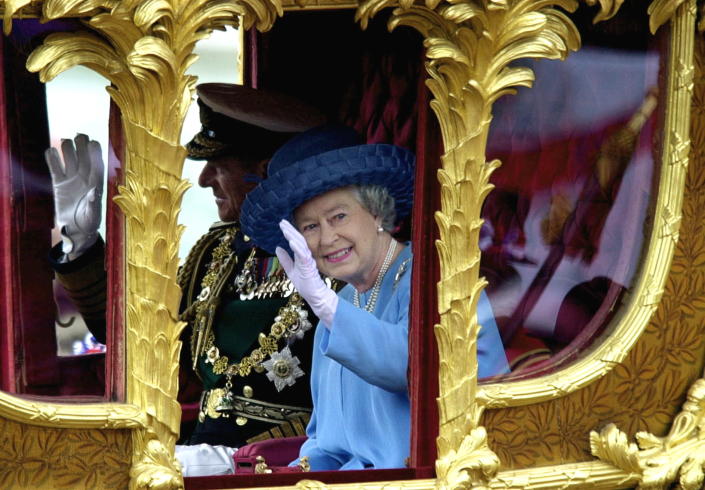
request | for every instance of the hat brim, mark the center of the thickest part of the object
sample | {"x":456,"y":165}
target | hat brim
{"x":280,"y":194}
{"x":203,"y":147}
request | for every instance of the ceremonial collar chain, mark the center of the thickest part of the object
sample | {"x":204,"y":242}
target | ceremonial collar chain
{"x":291,"y":322}
{"x":372,"y":301}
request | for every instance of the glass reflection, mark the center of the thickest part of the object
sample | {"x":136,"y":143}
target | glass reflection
{"x":29,"y":303}
{"x":564,"y":226}
{"x":77,"y":103}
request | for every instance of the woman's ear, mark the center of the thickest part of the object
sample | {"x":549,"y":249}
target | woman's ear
{"x":378,"y":224}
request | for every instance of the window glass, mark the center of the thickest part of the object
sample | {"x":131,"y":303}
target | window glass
{"x":77,"y":102}
{"x":565,"y":225}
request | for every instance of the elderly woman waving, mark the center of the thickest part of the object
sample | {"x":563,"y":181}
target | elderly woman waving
{"x":333,"y":202}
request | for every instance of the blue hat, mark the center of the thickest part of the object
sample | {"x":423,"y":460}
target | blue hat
{"x":317,"y":161}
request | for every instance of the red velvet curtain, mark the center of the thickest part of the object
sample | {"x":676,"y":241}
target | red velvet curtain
{"x":115,"y":264}
{"x":28,"y":307}
{"x":7,"y":344}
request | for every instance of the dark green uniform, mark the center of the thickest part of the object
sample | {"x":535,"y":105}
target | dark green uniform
{"x":249,"y":333}
{"x":259,"y":352}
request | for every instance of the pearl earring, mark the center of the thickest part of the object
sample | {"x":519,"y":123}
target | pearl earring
{"x":380,"y":229}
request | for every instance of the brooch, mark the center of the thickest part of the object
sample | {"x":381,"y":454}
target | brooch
{"x":283,"y":368}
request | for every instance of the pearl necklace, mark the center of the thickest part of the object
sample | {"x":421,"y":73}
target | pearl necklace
{"x":370,"y":306}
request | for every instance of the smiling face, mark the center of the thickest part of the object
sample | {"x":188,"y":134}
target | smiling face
{"x":343,"y":237}
{"x":226,"y":176}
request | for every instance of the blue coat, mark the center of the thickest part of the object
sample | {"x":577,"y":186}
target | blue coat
{"x":361,"y":413}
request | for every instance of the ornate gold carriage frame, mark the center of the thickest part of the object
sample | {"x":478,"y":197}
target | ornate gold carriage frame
{"x":144,"y":47}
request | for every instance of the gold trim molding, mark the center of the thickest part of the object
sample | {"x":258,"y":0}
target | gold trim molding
{"x":39,"y":412}
{"x":646,"y":292}
{"x":144,"y":47}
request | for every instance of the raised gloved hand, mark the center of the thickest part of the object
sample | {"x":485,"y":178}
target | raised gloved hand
{"x":78,"y":192}
{"x":304,"y":275}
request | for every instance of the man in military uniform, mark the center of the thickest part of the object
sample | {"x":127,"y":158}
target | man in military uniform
{"x":247,"y":327}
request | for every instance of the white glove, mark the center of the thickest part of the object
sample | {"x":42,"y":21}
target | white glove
{"x":78,"y":192}
{"x":304,"y":275}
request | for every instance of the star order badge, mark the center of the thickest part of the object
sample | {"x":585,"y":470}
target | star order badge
{"x":283,"y":368}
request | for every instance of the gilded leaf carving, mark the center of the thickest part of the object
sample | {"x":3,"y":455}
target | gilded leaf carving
{"x":470,"y":47}
{"x":661,"y":11}
{"x":608,"y":8}
{"x":144,"y":49}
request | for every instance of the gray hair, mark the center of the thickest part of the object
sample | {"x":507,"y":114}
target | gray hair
{"x":378,"y":202}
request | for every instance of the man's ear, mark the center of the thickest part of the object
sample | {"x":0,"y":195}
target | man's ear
{"x":260,"y":167}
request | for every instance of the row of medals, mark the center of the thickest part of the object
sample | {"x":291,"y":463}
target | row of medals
{"x":246,"y":284}
{"x":277,"y":283}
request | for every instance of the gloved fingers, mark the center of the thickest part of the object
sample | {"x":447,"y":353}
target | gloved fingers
{"x":286,"y":262}
{"x":67,"y":243}
{"x":290,"y":233}
{"x":301,"y":252}
{"x":84,"y":163}
{"x":70,"y":159}
{"x":297,"y":242}
{"x":91,"y":195}
{"x":95,"y":155}
{"x":56,"y":167}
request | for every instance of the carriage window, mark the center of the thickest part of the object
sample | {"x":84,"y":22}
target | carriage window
{"x":565,"y":225}
{"x":77,"y":103}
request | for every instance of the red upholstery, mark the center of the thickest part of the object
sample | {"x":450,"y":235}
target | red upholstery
{"x":277,"y":453}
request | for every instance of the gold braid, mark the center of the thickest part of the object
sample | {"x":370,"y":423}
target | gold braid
{"x":187,"y":272}
{"x":187,"y":277}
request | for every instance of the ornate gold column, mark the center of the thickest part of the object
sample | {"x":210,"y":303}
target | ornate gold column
{"x":144,"y":49}
{"x":470,"y":46}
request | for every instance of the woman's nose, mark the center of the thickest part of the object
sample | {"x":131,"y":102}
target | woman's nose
{"x":328,"y":234}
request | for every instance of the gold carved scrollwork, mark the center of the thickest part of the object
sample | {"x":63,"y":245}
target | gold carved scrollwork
{"x":661,"y":11}
{"x":470,"y":47}
{"x":144,"y":49}
{"x":659,"y":461}
{"x":680,"y":455}
{"x":608,"y":8}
